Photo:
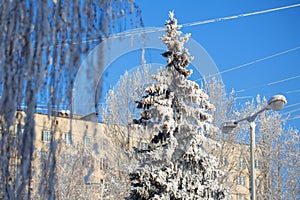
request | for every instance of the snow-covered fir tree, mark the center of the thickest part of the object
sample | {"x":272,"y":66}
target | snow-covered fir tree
{"x":178,"y":114}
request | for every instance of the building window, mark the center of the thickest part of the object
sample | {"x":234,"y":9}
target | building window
{"x":224,"y":161}
{"x":226,"y":180}
{"x":68,"y":138}
{"x":46,"y":136}
{"x":241,"y":163}
{"x":1,"y":130}
{"x":266,"y":138}
{"x":19,"y":129}
{"x":257,"y":182}
{"x":241,"y":180}
{"x":87,"y":141}
{"x":103,"y":184}
{"x":88,"y":161}
{"x":103,"y":164}
{"x":104,"y":143}
{"x":240,"y":197}
{"x":44,"y":153}
{"x":257,"y":164}
{"x":43,"y":164}
{"x":142,"y":145}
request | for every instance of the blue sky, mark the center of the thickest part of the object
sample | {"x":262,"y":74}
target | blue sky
{"x":239,"y":41}
{"x":232,"y":43}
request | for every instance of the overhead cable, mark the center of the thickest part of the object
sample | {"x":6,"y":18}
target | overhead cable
{"x":240,"y":15}
{"x":269,"y":84}
{"x":253,"y":62}
{"x":292,"y":105}
{"x":159,"y":29}
{"x":293,"y":118}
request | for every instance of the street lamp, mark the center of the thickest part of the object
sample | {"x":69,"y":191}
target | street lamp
{"x":276,"y":103}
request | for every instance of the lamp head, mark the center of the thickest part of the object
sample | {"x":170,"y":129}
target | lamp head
{"x":277,"y":102}
{"x":228,"y":127}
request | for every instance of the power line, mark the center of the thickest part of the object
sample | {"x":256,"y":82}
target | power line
{"x":269,"y":84}
{"x":273,"y":83}
{"x":292,"y":111}
{"x":209,"y":21}
{"x":283,"y":80}
{"x":293,"y":118}
{"x":151,"y":30}
{"x":239,"y":16}
{"x":252,"y":62}
{"x":244,"y":97}
{"x":293,"y":91}
{"x":261,"y":59}
{"x":292,"y":105}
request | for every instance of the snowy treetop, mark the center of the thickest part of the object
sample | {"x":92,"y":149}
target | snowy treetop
{"x":176,"y":165}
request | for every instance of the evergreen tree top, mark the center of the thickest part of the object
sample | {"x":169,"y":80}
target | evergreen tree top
{"x":177,"y":113}
{"x":172,"y":37}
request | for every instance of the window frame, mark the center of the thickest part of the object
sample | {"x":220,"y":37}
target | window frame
{"x":104,"y":143}
{"x":103,"y":165}
{"x":241,"y":163}
{"x":257,"y":164}
{"x":68,"y":139}
{"x":43,"y":136}
{"x":142,"y":145}
{"x":241,"y":180}
{"x":87,"y":144}
{"x":224,"y":160}
{"x":88,"y":161}
{"x":240,"y":197}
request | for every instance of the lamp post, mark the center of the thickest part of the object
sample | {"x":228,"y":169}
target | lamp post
{"x":276,"y":103}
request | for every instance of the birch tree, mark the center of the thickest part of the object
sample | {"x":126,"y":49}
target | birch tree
{"x":277,"y":146}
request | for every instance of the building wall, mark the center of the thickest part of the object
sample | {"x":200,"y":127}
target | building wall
{"x":86,"y":152}
{"x":233,"y":159}
{"x":83,"y":151}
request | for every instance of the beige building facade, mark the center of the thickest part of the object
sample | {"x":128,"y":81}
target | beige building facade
{"x":234,"y":160}
{"x":83,"y":151}
{"x":87,"y":154}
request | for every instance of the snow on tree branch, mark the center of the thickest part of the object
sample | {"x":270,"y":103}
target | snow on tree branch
{"x":178,"y":114}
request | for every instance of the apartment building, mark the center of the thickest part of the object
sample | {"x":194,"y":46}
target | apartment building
{"x":86,"y":152}
{"x":83,"y":151}
{"x":234,"y":160}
